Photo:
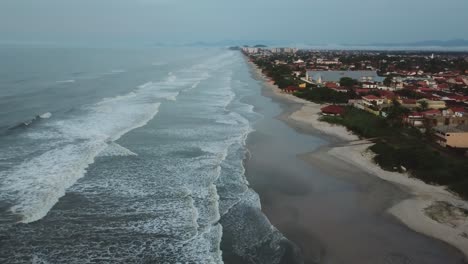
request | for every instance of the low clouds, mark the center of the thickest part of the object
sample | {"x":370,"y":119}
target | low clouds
{"x":311,"y":21}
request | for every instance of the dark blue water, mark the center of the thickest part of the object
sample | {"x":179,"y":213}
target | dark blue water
{"x":127,"y":156}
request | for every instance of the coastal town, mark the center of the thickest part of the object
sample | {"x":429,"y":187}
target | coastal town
{"x":423,"y":90}
{"x":399,"y":115}
{"x":430,"y":89}
{"x":414,"y":99}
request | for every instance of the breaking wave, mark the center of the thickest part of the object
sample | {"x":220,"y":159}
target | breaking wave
{"x":28,"y":123}
{"x":173,"y":192}
{"x":66,"y":81}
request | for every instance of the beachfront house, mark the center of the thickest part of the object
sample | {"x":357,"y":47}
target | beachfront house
{"x":332,"y":110}
{"x":291,"y":89}
{"x":450,"y":136}
{"x":409,"y":103}
{"x":433,"y":104}
{"x":414,"y":119}
{"x":371,"y":100}
{"x":371,"y":104}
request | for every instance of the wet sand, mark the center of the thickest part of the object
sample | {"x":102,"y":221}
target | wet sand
{"x":334,"y":211}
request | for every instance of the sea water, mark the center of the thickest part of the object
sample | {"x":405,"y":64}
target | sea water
{"x":128,"y":156}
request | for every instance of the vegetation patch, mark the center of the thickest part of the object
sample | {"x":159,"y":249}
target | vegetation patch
{"x":400,"y":148}
{"x":446,"y":213}
{"x":323,"y":95}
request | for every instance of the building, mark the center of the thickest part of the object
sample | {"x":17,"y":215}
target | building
{"x":432,"y":104}
{"x":454,"y":137}
{"x":250,"y":50}
{"x":455,"y":111}
{"x":291,"y":89}
{"x":414,"y":119}
{"x":320,"y":77}
{"x":369,"y":85}
{"x":332,"y":110}
{"x":409,"y":103}
{"x":283,"y":50}
{"x":371,"y":100}
{"x":328,"y":62}
{"x":439,"y":120}
{"x":370,"y":103}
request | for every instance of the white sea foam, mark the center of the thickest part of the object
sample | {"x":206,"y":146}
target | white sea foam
{"x":175,"y":199}
{"x":113,"y":149}
{"x":45,"y":115}
{"x":66,"y":81}
{"x":114,"y":72}
{"x":38,"y":183}
{"x":195,"y":85}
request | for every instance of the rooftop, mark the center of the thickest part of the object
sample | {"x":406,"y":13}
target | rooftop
{"x":333,"y":109}
{"x":335,"y":76}
{"x":371,"y":97}
{"x":453,"y":129}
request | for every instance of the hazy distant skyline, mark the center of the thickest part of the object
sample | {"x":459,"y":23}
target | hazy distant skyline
{"x":177,"y":21}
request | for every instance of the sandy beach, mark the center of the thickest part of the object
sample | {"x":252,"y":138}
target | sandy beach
{"x":426,"y":209}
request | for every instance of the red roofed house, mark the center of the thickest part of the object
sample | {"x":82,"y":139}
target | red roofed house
{"x":459,"y":111}
{"x":291,"y":89}
{"x":335,"y":87}
{"x":361,"y":90}
{"x":332,"y":110}
{"x":331,"y":85}
{"x":409,"y":103}
{"x":341,"y":90}
{"x":372,"y":100}
{"x":458,"y":98}
{"x":372,"y":103}
{"x":443,"y":86}
{"x":422,"y":83}
{"x":369,"y":85}
{"x":431,"y":113}
{"x":426,"y":90}
{"x":414,"y":119}
{"x":388,"y":95}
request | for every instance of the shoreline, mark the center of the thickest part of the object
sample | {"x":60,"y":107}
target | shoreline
{"x":423,"y":199}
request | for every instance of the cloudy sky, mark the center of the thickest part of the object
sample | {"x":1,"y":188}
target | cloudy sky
{"x":299,"y":21}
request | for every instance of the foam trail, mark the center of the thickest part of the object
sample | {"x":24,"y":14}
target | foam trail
{"x":114,"y":149}
{"x":36,"y":184}
{"x":27,"y":123}
{"x":45,"y":115}
{"x":113,"y":72}
{"x":66,"y":81}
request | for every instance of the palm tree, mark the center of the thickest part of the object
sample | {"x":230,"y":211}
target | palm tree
{"x":396,"y":112}
{"x":424,"y":105}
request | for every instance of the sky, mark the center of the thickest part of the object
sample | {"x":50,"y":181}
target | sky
{"x":182,"y":21}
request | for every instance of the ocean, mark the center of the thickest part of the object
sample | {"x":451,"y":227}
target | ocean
{"x":129,"y":156}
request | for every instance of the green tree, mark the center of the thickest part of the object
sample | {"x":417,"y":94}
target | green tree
{"x":347,"y":82}
{"x":388,"y":81}
{"x":395,"y":113}
{"x":424,"y":105}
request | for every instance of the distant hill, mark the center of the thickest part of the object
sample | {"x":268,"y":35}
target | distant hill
{"x":222,"y":43}
{"x":427,"y":43}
